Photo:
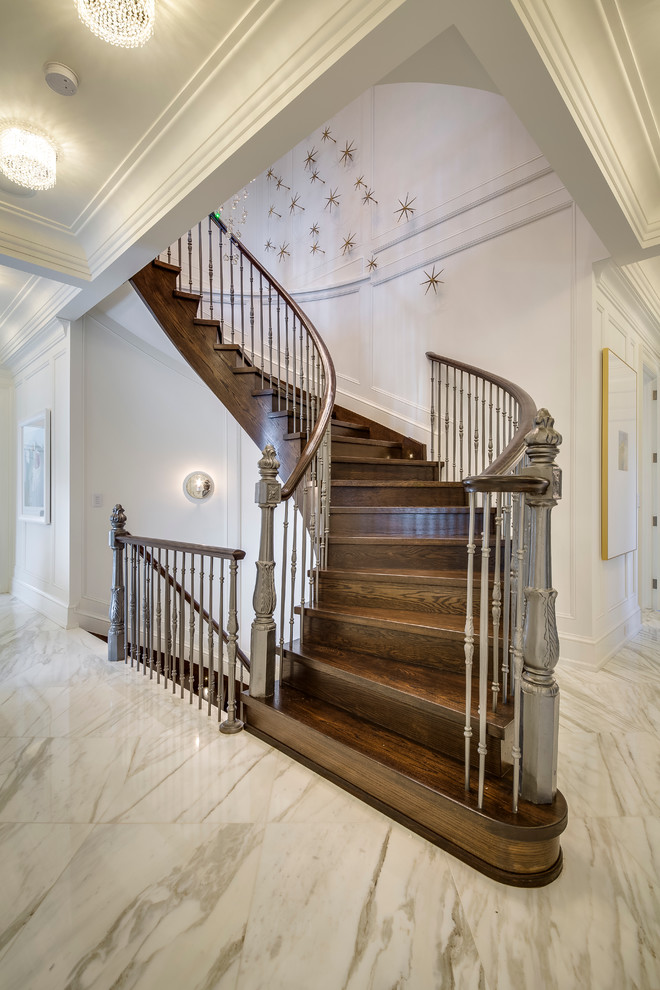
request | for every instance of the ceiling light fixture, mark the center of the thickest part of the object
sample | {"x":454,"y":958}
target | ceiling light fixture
{"x":27,"y":156}
{"x":126,"y":23}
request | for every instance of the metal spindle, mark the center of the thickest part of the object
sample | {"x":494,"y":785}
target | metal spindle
{"x":433,"y":409}
{"x":279,"y":357}
{"x":182,"y":619}
{"x":126,"y":605}
{"x":469,"y":637}
{"x":497,"y":600}
{"x":191,"y":628}
{"x":490,"y":423}
{"x":240,"y":272}
{"x":201,"y":681}
{"x":294,"y":561}
{"x":190,"y":250}
{"x":211,"y":658}
{"x":460,"y":430}
{"x":159,"y":619}
{"x":201,"y":267}
{"x":454,"y":431}
{"x":261,"y":326}
{"x":506,"y":523}
{"x":231,"y":286}
{"x":210,"y":269}
{"x":285,"y":533}
{"x":251,"y":313}
{"x":174,"y":625}
{"x":231,"y":723}
{"x":168,"y":621}
{"x":518,"y":647}
{"x":270,"y":334}
{"x":222,"y":286}
{"x":221,"y":645}
{"x":469,"y":426}
{"x":476,"y":423}
{"x":482,"y":748}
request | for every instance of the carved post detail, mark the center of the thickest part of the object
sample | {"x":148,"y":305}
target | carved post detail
{"x":540,"y":692}
{"x":116,"y":611}
{"x":268,"y":493}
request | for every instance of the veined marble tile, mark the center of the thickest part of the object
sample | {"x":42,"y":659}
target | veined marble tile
{"x":33,"y":857}
{"x":604,"y":774}
{"x":142,"y":907}
{"x":604,"y":703}
{"x":361,"y":907}
{"x":301,"y":796}
{"x":62,"y":780}
{"x":225,"y":778}
{"x":597,"y":926}
{"x":26,"y":710}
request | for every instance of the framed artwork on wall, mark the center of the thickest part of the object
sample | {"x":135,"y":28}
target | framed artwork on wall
{"x":619,"y":457}
{"x":34,"y":452}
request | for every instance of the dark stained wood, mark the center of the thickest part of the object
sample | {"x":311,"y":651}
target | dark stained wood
{"x":518,"y":849}
{"x":414,"y":591}
{"x":382,"y":469}
{"x":400,"y":553}
{"x":176,"y":312}
{"x":399,"y":492}
{"x":366,"y":447}
{"x":418,"y":520}
{"x":411,"y":700}
{"x":412,"y":449}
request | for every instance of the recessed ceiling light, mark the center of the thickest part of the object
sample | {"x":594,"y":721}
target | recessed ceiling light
{"x":61,"y":78}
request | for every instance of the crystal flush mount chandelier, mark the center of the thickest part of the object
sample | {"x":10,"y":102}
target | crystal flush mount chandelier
{"x":126,"y":23}
{"x":27,"y":157}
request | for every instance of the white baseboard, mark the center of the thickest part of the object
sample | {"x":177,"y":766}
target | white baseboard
{"x":93,"y":616}
{"x":48,"y":605}
{"x":594,"y":653}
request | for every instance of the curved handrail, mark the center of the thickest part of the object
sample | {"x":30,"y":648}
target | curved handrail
{"x":507,"y":459}
{"x":330,"y":382}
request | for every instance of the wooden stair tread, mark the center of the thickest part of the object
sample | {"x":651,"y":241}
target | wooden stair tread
{"x":421,"y":541}
{"x":166,"y":266}
{"x":396,"y":484}
{"x":201,"y":322}
{"x":395,"y":510}
{"x":422,"y":622}
{"x":445,"y":690}
{"x":438,"y":774}
{"x":368,"y":442}
{"x":446,"y":579}
{"x":182,"y":294}
{"x":351,"y":459}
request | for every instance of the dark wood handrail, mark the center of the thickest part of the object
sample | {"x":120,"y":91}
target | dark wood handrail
{"x":516,"y":483}
{"x":208,"y":551}
{"x":509,"y":457}
{"x":218,"y":552}
{"x":328,"y":400}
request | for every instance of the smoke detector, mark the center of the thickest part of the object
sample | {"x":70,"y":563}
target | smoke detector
{"x":61,"y":78}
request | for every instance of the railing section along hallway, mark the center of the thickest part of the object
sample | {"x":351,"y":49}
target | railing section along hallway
{"x":408,"y":652}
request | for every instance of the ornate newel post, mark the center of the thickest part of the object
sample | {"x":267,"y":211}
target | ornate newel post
{"x":262,"y":646}
{"x":540,"y":692}
{"x":116,"y":613}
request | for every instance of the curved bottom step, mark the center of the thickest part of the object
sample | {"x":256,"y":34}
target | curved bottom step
{"x":421,"y":790}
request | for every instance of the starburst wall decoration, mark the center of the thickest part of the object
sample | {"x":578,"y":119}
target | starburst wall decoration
{"x":433,"y":280}
{"x":406,"y":210}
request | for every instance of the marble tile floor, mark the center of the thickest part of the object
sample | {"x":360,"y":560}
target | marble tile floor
{"x":141,"y":849}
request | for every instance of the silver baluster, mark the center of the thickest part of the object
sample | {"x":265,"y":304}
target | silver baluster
{"x":262,"y":650}
{"x":116,"y":632}
{"x":497,"y":600}
{"x":469,"y":637}
{"x":231,"y":723}
{"x":482,"y":748}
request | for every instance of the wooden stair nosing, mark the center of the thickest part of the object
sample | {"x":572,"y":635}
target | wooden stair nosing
{"x":518,"y":849}
{"x":421,"y":685}
{"x":446,"y":626}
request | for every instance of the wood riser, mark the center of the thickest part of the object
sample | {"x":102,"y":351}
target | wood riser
{"x":441,"y":651}
{"x":392,"y":469}
{"x":423,"y":724}
{"x":430,"y":493}
{"x":361,"y":589}
{"x":511,"y":855}
{"x":399,"y":556}
{"x":397,"y":521}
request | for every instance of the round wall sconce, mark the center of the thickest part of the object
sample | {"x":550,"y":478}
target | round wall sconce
{"x":198,"y":485}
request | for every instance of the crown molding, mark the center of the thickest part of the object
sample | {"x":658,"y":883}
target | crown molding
{"x":636,"y":193}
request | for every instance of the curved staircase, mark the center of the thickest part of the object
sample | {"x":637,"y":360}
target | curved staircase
{"x":372,"y":695}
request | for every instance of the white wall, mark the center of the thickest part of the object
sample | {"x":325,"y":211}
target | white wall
{"x":148,"y":422}
{"x":43,"y":564}
{"x":6,"y":479}
{"x":517,"y":259}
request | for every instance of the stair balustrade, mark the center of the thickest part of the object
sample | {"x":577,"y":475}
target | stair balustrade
{"x":485,"y":424}
{"x":375,"y":680}
{"x":275,"y":341}
{"x":168,"y":605}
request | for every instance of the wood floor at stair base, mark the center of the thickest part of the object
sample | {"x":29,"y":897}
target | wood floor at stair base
{"x":515,"y":856}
